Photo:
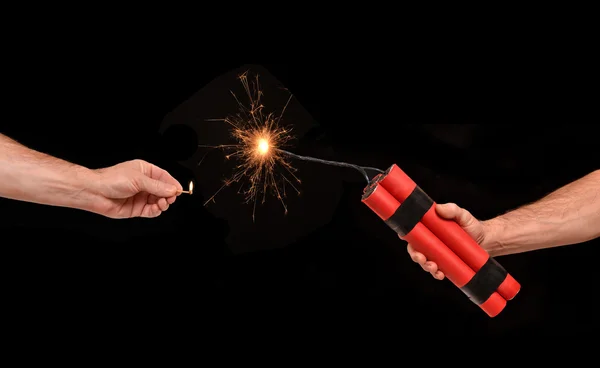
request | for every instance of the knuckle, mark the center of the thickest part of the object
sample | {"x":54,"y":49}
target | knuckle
{"x":467,"y":217}
{"x":453,"y":206}
{"x":140,"y":164}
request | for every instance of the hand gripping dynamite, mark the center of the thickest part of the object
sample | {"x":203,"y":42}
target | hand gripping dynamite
{"x":409,"y":211}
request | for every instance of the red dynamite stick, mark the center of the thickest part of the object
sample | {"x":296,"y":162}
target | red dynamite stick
{"x":402,"y":187}
{"x":385,"y":206}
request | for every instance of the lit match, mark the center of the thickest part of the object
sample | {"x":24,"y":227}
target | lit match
{"x":190,"y":189}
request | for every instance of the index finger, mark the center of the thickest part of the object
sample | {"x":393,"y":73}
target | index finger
{"x":162,"y":175}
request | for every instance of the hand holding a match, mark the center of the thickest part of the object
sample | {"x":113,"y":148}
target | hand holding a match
{"x":133,"y":189}
{"x":130,"y":189}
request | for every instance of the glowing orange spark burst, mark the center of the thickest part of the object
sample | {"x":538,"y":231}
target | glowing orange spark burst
{"x":259,"y":138}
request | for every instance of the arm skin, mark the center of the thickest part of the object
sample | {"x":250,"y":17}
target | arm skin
{"x":130,"y":189}
{"x":31,"y":176}
{"x":569,"y":215}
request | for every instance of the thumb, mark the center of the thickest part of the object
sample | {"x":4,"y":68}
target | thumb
{"x":450,"y":211}
{"x":156,"y":187}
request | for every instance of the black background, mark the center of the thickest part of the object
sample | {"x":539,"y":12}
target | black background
{"x":485,"y":137}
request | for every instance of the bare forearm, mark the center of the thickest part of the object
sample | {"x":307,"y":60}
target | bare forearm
{"x":31,"y":176}
{"x":569,"y":215}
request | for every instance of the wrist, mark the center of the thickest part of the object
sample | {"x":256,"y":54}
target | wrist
{"x":81,"y":193}
{"x":493,"y":230}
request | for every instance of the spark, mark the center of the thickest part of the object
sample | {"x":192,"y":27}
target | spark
{"x":262,"y":166}
{"x":263,"y":146}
